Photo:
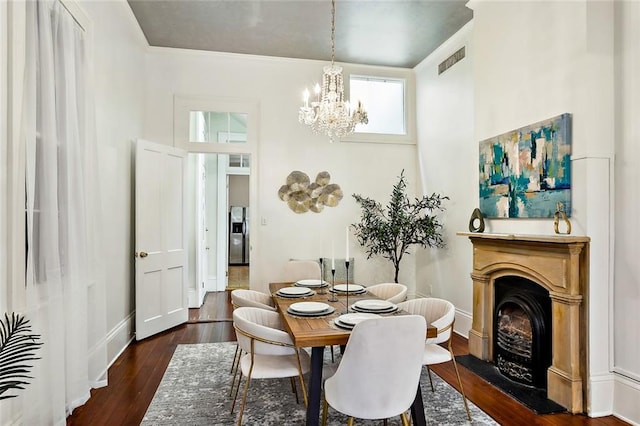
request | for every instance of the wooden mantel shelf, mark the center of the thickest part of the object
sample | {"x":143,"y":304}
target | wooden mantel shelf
{"x":561,"y":239}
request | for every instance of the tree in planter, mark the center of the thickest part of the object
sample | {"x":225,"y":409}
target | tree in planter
{"x":391,"y":231}
{"x":17,"y":348}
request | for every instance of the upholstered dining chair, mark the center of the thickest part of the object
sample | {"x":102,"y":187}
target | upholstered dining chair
{"x":295,"y":270}
{"x":269,"y":351}
{"x":379,"y":373}
{"x":247,"y":298}
{"x":391,"y":292}
{"x":441,"y":314}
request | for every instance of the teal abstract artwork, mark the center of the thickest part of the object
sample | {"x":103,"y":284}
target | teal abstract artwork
{"x":526,"y":172}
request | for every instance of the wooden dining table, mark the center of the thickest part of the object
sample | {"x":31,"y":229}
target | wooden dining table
{"x":319,"y":332}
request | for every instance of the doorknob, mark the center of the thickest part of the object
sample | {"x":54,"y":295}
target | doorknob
{"x":142,"y":254}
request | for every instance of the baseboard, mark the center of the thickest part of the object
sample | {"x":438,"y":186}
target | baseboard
{"x":626,"y":394}
{"x":120,"y":337}
{"x":600,"y":398}
{"x":463,"y":323}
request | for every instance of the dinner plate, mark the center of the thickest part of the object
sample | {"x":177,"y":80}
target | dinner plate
{"x":311,"y":283}
{"x":324,"y":312}
{"x":355,"y":318}
{"x":294,"y":291}
{"x":308,"y":307}
{"x":385,"y":311}
{"x":374,"y":305}
{"x":351,"y":288}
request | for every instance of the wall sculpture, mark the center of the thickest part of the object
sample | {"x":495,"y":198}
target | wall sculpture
{"x":302,"y":195}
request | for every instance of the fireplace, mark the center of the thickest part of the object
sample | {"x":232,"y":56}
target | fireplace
{"x":522,"y":330}
{"x":529,"y":311}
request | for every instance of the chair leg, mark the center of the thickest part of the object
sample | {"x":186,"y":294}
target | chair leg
{"x":302,"y":385}
{"x":464,"y":398}
{"x":430,"y":380}
{"x":236,"y":361}
{"x":294,"y":388}
{"x":325,"y":409}
{"x":244,"y":398}
{"x":403,"y":417}
{"x":350,"y":421}
{"x":235,"y":395}
{"x":384,"y":422}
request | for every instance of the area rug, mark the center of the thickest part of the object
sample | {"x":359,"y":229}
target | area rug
{"x":535,"y":399}
{"x":195,"y":391}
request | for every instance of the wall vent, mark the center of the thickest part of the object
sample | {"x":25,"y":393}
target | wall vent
{"x":451,"y":60}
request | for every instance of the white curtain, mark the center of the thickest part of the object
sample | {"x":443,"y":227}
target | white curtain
{"x":65,"y":297}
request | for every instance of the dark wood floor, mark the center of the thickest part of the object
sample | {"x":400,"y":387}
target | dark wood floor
{"x":134,"y":377}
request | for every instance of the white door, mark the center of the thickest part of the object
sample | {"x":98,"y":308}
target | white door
{"x":161,"y":256}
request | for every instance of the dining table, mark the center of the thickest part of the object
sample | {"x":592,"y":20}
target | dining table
{"x":321,"y":331}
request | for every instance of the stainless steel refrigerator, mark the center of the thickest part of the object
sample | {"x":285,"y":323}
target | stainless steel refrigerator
{"x":239,"y":236}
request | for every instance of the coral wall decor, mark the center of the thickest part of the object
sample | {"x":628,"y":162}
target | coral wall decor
{"x":526,"y":172}
{"x":302,"y":195}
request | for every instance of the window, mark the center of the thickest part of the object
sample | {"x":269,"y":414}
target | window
{"x":385,"y":102}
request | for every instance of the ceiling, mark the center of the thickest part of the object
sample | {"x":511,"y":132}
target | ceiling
{"x":396,"y":33}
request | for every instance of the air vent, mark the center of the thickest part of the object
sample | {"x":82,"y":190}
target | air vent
{"x":451,"y":60}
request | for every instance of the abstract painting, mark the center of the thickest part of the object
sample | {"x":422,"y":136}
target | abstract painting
{"x":525,"y":173}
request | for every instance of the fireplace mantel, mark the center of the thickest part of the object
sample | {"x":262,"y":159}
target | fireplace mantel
{"x":561,"y":265}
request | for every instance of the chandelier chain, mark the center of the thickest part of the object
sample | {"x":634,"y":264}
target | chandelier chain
{"x":333,"y":31}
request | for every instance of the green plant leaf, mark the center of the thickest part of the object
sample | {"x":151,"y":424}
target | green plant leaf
{"x":18,"y":348}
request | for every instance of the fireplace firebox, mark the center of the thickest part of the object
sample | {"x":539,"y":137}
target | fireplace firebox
{"x":522,"y":330}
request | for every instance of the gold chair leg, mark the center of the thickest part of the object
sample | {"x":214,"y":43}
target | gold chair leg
{"x":350,"y":421}
{"x":244,"y":399}
{"x":235,"y":359}
{"x":464,"y":398}
{"x":384,"y":422}
{"x":403,"y":417}
{"x":302,"y":385}
{"x":325,"y":409}
{"x":237,"y":367}
{"x":235,"y":395}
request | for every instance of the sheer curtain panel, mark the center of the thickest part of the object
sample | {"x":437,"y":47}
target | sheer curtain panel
{"x":65,"y":294}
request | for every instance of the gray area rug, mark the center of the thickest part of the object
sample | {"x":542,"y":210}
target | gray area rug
{"x":195,"y":391}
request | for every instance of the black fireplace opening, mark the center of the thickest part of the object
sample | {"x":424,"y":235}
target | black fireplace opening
{"x":522,"y":330}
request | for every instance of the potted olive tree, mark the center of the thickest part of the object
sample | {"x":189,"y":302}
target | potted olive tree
{"x":391,"y":231}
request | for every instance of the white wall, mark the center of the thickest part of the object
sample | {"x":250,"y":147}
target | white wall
{"x":284,"y":145}
{"x":626,"y":291}
{"x":119,"y":49}
{"x":532,"y":61}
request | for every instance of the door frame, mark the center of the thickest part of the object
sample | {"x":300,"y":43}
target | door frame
{"x":183,"y":104}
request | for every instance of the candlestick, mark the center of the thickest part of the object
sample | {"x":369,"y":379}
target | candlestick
{"x":333,"y":257}
{"x":321,"y":290}
{"x":347,"y":257}
{"x":333,"y":297}
{"x":346,"y":264}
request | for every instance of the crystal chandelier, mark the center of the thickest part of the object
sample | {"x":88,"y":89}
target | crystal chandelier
{"x":330,"y":113}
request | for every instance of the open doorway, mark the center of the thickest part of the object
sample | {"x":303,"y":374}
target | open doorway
{"x":218,"y":226}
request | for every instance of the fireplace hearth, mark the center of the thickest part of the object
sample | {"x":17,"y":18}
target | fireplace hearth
{"x":534,"y":327}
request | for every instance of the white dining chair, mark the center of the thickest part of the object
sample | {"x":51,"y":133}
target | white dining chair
{"x":379,"y":373}
{"x":247,"y":298}
{"x":269,"y":351}
{"x":391,"y":292}
{"x":441,"y":314}
{"x":295,"y":270}
{"x":252,"y":298}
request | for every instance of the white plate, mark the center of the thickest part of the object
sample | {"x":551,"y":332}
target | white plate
{"x":374,"y":305}
{"x":352,"y":288}
{"x":309,"y":307}
{"x":294,"y":291}
{"x":355,"y":318}
{"x":311,"y":283}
